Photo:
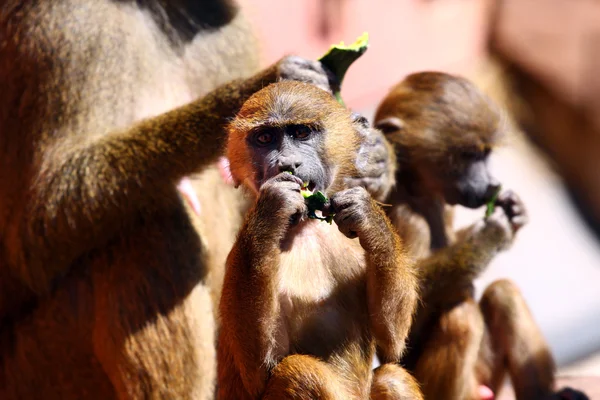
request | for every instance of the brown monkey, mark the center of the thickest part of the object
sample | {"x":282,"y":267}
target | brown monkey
{"x":102,"y":276}
{"x":374,"y":170}
{"x":443,"y":130}
{"x":303,"y":303}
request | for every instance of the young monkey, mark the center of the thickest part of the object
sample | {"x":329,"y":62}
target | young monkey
{"x":303,"y":303}
{"x":443,"y":130}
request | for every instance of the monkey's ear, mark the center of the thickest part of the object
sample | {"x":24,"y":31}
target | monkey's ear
{"x":389,"y":124}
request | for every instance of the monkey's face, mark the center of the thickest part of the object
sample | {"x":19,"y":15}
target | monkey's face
{"x":296,"y":148}
{"x":465,"y":179}
{"x":442,"y":128}
{"x":294,"y":127}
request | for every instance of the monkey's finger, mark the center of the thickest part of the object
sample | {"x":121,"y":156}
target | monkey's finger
{"x":318,"y":67}
{"x":304,"y":62}
{"x":347,"y":198}
{"x":286,"y":177}
{"x":372,"y":169}
{"x":318,"y":80}
{"x":361,"y":120}
{"x":518,"y":222}
{"x":372,"y":185}
{"x":508,"y":197}
{"x":296,"y":218}
{"x":345,"y":225}
{"x":516,"y":210}
{"x":303,"y":70}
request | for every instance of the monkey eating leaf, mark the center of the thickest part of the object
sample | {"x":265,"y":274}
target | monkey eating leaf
{"x":314,"y":201}
{"x":339,"y":58}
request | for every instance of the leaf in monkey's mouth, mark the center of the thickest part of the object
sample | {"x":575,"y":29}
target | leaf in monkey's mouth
{"x":314,"y":200}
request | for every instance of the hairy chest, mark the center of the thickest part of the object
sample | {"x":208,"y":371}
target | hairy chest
{"x":321,"y":286}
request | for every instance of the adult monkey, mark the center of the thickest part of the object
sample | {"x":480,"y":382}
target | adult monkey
{"x":102,"y":278}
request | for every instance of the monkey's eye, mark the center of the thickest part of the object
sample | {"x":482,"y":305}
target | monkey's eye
{"x":264,"y":137}
{"x":301,"y":132}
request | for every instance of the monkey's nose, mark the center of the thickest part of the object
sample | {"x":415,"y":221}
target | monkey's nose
{"x":288,"y":164}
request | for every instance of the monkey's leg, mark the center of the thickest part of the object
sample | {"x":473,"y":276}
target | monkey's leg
{"x":304,"y":377}
{"x":446,"y":366}
{"x":392,"y":382}
{"x":516,"y":343}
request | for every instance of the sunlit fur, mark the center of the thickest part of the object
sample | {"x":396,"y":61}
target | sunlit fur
{"x":290,"y":103}
{"x":457,"y":344}
{"x":303,"y":305}
{"x":441,"y":114}
{"x":104,"y":288}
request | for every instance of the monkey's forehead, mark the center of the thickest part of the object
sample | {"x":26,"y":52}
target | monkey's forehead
{"x":288,"y":99}
{"x":284,"y":111}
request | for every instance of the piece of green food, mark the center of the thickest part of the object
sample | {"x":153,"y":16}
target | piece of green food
{"x":339,"y":58}
{"x":316,"y":201}
{"x":491,"y":205}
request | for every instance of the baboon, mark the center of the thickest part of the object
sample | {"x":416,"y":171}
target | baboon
{"x":303,"y":302}
{"x":443,"y":130}
{"x":106,"y":106}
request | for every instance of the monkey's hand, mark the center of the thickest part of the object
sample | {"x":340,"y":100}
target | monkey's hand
{"x":375,"y":161}
{"x":357,"y":215}
{"x":300,"y":69}
{"x":280,"y":201}
{"x":510,"y":216}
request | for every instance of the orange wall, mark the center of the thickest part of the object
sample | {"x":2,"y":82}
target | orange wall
{"x":405,"y":36}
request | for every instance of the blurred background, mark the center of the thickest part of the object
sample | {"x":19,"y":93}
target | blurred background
{"x":541,"y":60}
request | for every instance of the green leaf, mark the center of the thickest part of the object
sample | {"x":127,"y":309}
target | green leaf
{"x":339,"y":58}
{"x":316,"y":201}
{"x":491,"y":205}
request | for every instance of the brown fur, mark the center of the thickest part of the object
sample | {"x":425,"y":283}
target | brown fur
{"x":103,"y":278}
{"x":303,"y":305}
{"x":456,"y":344}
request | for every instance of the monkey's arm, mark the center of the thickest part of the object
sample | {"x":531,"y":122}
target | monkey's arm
{"x":85,"y":187}
{"x":391,"y":287}
{"x":448,"y":274}
{"x":84,"y":190}
{"x":391,"y":279}
{"x":249,"y":308}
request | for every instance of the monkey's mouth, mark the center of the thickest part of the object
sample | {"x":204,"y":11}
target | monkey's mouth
{"x":310,"y":186}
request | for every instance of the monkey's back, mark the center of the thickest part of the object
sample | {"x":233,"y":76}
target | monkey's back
{"x":81,"y":69}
